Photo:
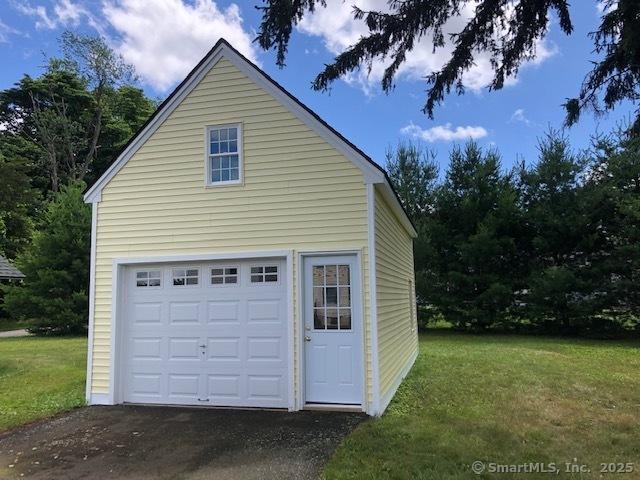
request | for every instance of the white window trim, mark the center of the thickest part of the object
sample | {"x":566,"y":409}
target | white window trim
{"x":264,"y":283}
{"x":199,"y":277}
{"x":223,"y":276}
{"x":148,"y":271}
{"x":207,"y":167}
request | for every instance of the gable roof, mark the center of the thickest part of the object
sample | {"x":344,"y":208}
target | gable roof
{"x":8,"y":271}
{"x":373,"y":173}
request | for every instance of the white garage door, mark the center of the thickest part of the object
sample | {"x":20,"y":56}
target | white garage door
{"x":206,"y":334}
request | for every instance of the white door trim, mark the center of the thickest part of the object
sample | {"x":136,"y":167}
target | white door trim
{"x":301,"y":401}
{"x":115,"y":395}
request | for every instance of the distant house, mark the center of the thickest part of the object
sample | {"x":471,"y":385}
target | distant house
{"x":8,"y":272}
{"x":246,"y":254}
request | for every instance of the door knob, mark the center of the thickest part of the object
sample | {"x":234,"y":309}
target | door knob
{"x":202,"y":346}
{"x":307,"y":338}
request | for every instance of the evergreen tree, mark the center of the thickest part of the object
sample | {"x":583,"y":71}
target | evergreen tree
{"x":475,"y":265}
{"x":17,"y":204}
{"x":414,"y":173}
{"x":559,"y":297}
{"x":506,"y":31}
{"x":54,"y":294}
{"x":612,"y":199}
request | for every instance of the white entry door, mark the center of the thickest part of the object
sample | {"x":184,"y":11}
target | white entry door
{"x":210,"y":333}
{"x":332,"y":330}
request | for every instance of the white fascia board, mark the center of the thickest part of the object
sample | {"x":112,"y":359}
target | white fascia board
{"x":370,"y":172}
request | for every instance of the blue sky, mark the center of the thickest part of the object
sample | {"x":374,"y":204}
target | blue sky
{"x":164,"y":39}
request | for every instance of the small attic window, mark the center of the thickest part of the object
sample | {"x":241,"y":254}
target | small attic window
{"x":224,"y":155}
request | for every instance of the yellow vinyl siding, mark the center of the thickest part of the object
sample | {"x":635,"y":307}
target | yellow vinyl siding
{"x":397,"y":331}
{"x":298,"y":193}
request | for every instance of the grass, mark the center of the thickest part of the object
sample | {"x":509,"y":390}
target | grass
{"x":40,"y":377}
{"x":507,"y":400}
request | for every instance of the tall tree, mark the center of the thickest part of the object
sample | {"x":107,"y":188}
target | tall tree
{"x":17,"y":201}
{"x":127,"y":108}
{"x":63,"y":111}
{"x":559,"y":297}
{"x":51,"y":113}
{"x":506,"y":30}
{"x":54,"y":294}
{"x":103,"y":70}
{"x":475,"y":266}
{"x":21,"y":181}
{"x":413,"y":172}
{"x":612,"y":206}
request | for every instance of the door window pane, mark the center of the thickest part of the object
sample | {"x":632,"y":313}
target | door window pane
{"x":331,"y":275}
{"x":332,"y":319}
{"x":318,"y":297}
{"x":318,"y":319}
{"x":345,"y":319}
{"x":345,"y":296}
{"x":343,"y":275}
{"x":318,"y":276}
{"x":332,"y":296}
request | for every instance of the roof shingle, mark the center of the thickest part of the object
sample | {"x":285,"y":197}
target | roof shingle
{"x":8,"y":271}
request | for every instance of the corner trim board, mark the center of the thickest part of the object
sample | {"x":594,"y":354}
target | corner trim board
{"x":374,"y":408}
{"x":92,"y":301}
{"x":99,"y":399}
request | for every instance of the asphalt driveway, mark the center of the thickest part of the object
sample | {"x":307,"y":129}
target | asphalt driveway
{"x":129,"y":442}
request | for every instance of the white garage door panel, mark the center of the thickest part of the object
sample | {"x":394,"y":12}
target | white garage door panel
{"x":206,"y":344}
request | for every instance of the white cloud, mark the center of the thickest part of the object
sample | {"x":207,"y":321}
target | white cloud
{"x":43,"y":20}
{"x":519,"y":116}
{"x":68,"y":12}
{"x":5,"y":31}
{"x":166,"y":41}
{"x":64,"y":13}
{"x":338,"y":29}
{"x":606,"y":6}
{"x":444,"y":132}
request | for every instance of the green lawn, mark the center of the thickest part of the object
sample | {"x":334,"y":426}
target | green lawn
{"x":506,"y":400}
{"x":40,"y":377}
{"x":500,"y":399}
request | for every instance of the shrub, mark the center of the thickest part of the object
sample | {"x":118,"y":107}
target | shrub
{"x":56,"y":265}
